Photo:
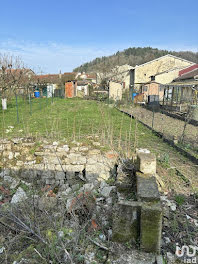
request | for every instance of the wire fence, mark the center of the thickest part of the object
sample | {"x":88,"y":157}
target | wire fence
{"x":179,"y":128}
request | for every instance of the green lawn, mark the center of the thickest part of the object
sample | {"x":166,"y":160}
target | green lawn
{"x":75,"y":119}
{"x":80,"y":120}
{"x":70,"y":119}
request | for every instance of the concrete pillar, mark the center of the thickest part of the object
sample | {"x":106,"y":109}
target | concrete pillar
{"x":147,"y":188}
{"x":151,"y":227}
{"x":126,"y":222}
{"x":146,"y":163}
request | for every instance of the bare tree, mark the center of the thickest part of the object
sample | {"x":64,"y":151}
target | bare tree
{"x":14,"y":77}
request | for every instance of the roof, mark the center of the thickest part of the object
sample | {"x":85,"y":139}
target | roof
{"x":185,"y":83}
{"x":168,"y":55}
{"x":52,"y":78}
{"x":91,"y":76}
{"x":69,"y":73}
{"x":82,"y":83}
{"x":188,"y":75}
{"x":188,"y":69}
{"x":19,"y":71}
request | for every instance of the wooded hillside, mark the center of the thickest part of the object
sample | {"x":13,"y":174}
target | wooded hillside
{"x":132,"y":56}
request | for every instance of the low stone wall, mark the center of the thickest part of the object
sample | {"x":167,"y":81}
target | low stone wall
{"x":55,"y":163}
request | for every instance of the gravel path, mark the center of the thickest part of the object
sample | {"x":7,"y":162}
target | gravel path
{"x":167,"y":125}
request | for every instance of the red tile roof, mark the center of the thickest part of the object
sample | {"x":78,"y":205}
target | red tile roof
{"x":53,"y":78}
{"x":188,"y":69}
{"x":188,"y":75}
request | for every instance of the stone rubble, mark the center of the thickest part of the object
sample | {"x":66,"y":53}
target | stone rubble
{"x":19,"y":196}
{"x":75,"y":170}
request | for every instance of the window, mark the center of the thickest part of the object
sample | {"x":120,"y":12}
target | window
{"x":152,"y":78}
{"x":161,"y":88}
{"x":145,"y":89}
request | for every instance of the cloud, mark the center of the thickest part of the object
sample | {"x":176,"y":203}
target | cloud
{"x":52,"y":57}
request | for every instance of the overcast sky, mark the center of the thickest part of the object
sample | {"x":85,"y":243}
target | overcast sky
{"x":59,"y":35}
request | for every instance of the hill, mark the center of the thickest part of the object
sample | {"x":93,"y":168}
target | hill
{"x":132,"y":56}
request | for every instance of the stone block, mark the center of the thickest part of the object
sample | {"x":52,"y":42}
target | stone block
{"x":74,"y":168}
{"x":1,"y":147}
{"x":104,"y":176}
{"x":83,"y":149}
{"x":39,"y":153}
{"x":50,"y":181}
{"x":28,"y":173}
{"x":147,"y":188}
{"x":91,"y":176}
{"x":146,"y":163}
{"x":151,"y":227}
{"x":125,"y":222}
{"x":60,"y":175}
{"x":51,"y":160}
{"x":16,"y":154}
{"x":8,"y":146}
{"x":94,"y":152}
{"x":19,"y":163}
{"x":51,"y":167}
{"x":39,"y":167}
{"x":61,"y":182}
{"x":97,"y":168}
{"x":91,"y":161}
{"x":58,"y":167}
{"x":47,"y":174}
{"x":76,"y":159}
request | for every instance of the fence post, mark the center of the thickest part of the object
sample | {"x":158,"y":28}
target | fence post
{"x":52,"y":97}
{"x":153,"y":118}
{"x":30,"y":102}
{"x":17,"y":108}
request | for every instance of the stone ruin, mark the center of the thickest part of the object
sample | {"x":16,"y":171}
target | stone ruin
{"x":139,"y":220}
{"x":137,"y":214}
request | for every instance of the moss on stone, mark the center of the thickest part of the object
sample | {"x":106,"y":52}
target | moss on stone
{"x":151,"y":225}
{"x":39,"y":159}
{"x":123,"y":231}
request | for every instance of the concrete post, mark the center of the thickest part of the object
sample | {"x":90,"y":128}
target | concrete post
{"x":151,"y":227}
{"x":146,"y":163}
{"x":126,"y":222}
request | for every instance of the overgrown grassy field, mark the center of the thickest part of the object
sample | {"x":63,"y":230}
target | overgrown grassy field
{"x":80,"y":120}
{"x":70,"y":119}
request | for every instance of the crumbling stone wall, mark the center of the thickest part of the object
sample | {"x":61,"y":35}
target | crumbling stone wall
{"x":55,"y":163}
{"x":137,"y":209}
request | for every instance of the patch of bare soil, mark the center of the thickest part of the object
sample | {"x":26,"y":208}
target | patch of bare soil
{"x":166,"y":125}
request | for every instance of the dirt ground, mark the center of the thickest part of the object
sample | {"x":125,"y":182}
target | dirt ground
{"x":181,"y":174}
{"x":169,"y":126}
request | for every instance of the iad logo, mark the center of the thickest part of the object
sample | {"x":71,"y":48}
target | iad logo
{"x":188,"y":252}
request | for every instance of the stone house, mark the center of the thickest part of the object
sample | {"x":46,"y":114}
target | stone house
{"x":115,"y":90}
{"x":121,"y":74}
{"x":91,"y":77}
{"x":162,"y":70}
{"x":117,"y":74}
